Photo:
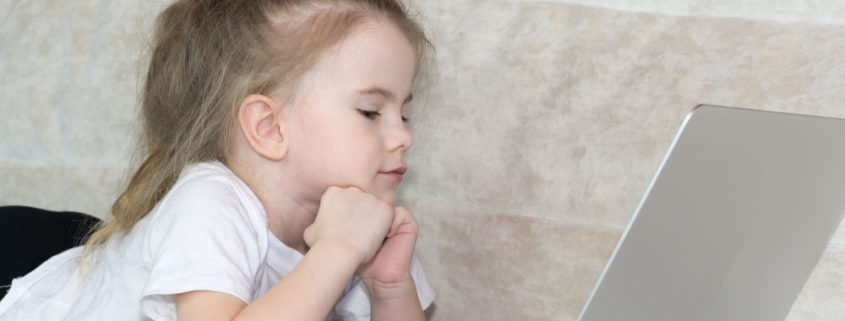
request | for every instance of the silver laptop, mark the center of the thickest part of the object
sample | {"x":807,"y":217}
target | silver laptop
{"x":734,"y":221}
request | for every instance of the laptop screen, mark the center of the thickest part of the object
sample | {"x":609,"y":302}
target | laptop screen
{"x":733,"y":222}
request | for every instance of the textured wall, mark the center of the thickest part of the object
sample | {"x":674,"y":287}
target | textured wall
{"x":537,"y":135}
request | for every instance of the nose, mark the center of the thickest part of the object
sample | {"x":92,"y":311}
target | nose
{"x":400,"y":138}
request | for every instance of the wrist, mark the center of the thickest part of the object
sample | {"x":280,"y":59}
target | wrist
{"x":385,"y":292}
{"x":341,"y":254}
{"x":394,"y":301}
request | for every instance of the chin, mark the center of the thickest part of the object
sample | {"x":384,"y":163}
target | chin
{"x":389,"y":198}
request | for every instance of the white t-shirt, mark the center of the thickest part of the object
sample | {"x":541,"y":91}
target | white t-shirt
{"x":209,"y":232}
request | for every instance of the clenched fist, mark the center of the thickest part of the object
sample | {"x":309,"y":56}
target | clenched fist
{"x":351,"y":219}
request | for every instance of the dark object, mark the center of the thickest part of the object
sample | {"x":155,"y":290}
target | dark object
{"x":29,"y":236}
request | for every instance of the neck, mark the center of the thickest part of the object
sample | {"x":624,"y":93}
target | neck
{"x":289,"y":209}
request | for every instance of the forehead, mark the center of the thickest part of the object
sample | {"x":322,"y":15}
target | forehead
{"x":374,"y":55}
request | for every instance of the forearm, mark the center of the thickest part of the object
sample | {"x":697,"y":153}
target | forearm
{"x":309,"y":291}
{"x":395,"y":302}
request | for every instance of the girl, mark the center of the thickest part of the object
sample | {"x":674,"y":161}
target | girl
{"x":275,"y":142}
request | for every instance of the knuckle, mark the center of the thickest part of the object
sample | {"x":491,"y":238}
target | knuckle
{"x":382,"y":207}
{"x":351,"y":190}
{"x":371,"y":197}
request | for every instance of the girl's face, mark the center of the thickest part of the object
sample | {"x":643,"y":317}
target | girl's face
{"x":347,"y":128}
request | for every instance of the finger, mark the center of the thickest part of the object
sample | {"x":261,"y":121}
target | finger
{"x":409,"y":223}
{"x":400,"y":217}
{"x":339,"y":188}
{"x":347,"y":187}
{"x":407,"y":216}
{"x":308,"y":235}
{"x":329,"y":193}
{"x":394,"y":224}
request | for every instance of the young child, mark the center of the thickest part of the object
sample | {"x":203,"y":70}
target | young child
{"x":275,"y":141}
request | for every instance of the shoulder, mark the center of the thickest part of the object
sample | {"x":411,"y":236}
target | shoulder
{"x":213,"y":180}
{"x":210,"y":189}
{"x":208,"y":233}
{"x":208,"y":201}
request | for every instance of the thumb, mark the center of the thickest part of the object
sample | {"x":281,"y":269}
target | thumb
{"x":400,"y":216}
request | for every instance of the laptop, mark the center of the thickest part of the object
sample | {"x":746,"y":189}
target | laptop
{"x":737,"y":216}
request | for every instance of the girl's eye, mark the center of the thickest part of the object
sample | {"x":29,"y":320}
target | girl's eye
{"x":374,"y":114}
{"x":369,"y":114}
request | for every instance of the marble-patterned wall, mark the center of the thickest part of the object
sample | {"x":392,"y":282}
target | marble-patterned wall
{"x":535,"y":138}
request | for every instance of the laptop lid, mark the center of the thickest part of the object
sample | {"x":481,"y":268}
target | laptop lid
{"x":739,"y":212}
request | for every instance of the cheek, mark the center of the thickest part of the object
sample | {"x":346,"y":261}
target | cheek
{"x":348,"y":145}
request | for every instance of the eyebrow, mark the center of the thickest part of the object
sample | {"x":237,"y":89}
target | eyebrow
{"x":384,"y":93}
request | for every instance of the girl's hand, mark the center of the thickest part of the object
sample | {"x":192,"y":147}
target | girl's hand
{"x":352,"y":219}
{"x":389,"y":271}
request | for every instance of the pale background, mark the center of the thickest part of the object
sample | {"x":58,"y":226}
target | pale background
{"x":537,"y":136}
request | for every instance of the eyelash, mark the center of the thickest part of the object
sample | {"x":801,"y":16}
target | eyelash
{"x":373,"y":114}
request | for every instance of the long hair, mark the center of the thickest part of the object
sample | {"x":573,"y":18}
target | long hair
{"x":207,"y":56}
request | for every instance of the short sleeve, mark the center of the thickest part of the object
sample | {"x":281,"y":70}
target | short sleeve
{"x":204,"y":236}
{"x":424,"y":290}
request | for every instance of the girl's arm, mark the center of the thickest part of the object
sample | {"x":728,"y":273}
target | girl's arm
{"x":349,"y":229}
{"x":307,"y":293}
{"x":310,"y":291}
{"x":395,"y":302}
{"x":387,"y":276}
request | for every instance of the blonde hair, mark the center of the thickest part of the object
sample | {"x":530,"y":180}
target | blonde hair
{"x":207,"y":56}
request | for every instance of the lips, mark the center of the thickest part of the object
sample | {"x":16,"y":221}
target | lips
{"x":399,"y":170}
{"x":396,"y":172}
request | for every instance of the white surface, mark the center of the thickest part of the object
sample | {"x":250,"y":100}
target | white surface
{"x":812,"y":11}
{"x":734,"y":222}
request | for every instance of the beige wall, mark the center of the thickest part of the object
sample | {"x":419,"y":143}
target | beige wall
{"x":537,"y":135}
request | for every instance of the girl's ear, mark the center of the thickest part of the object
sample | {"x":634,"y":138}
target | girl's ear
{"x":260,"y":120}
